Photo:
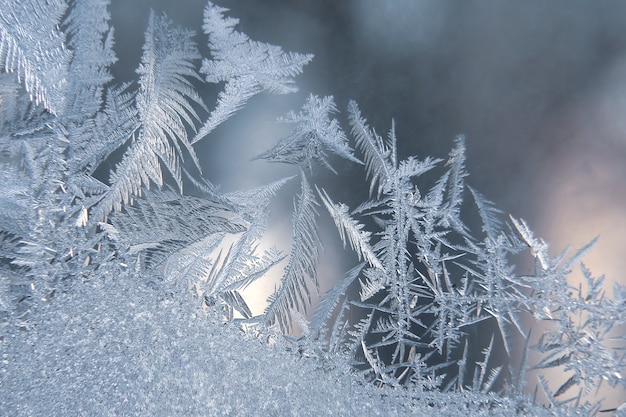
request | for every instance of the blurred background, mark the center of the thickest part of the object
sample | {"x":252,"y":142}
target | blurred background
{"x":538,"y":88}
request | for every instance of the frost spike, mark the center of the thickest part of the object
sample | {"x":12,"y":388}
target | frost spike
{"x":359,"y":238}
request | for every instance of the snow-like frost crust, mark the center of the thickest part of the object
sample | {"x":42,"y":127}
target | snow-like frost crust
{"x":122,"y":346}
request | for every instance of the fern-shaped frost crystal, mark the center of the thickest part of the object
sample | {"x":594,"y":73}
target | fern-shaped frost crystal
{"x":315,"y":134}
{"x":359,"y":238}
{"x":165,"y":101}
{"x":247,"y":67}
{"x":32,"y":46}
{"x":301,"y":270}
{"x":91,"y":40}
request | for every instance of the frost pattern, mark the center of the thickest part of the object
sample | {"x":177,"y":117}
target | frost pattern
{"x":131,"y":275}
{"x":314,"y":134}
{"x":248,"y":67}
{"x":430,"y":283}
{"x":32,"y":46}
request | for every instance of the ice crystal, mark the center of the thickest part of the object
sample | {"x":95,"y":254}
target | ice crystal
{"x":124,"y":296}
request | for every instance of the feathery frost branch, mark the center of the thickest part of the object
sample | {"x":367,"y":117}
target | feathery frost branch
{"x":301,"y":269}
{"x":247,"y":67}
{"x":314,"y":135}
{"x":359,"y":238}
{"x":165,"y":102}
{"x":32,"y":46}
